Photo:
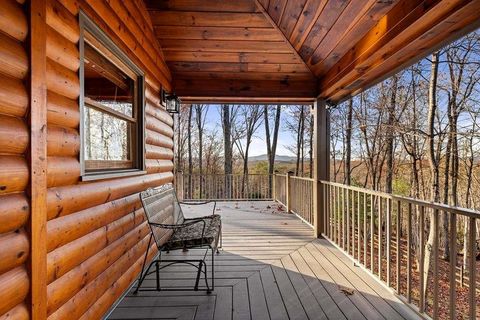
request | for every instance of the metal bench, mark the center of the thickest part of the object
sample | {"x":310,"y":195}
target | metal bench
{"x":172,"y":231}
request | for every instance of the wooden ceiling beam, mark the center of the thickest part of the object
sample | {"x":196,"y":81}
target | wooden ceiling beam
{"x":249,"y":100}
{"x":244,"y":88}
{"x":407,"y":21}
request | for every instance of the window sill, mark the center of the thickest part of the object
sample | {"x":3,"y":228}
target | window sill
{"x":103,"y":175}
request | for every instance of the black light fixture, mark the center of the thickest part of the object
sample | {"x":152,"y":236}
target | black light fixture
{"x":171,"y":101}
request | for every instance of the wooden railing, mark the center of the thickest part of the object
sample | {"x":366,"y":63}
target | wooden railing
{"x":389,"y":236}
{"x":295,"y":194}
{"x":301,"y":198}
{"x":223,"y":187}
{"x":280,"y":188}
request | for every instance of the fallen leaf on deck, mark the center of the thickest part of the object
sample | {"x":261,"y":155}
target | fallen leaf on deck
{"x":268,"y":207}
{"x":347,"y":291}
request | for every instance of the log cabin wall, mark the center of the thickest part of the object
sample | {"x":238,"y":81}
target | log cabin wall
{"x":14,"y":172}
{"x":96,"y":233}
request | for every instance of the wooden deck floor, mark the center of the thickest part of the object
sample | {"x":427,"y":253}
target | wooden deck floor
{"x":270,"y":268}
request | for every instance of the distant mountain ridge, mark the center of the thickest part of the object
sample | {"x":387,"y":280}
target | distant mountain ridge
{"x":278,"y":158}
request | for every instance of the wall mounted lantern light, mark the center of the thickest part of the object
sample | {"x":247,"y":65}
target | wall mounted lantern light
{"x":171,"y":102}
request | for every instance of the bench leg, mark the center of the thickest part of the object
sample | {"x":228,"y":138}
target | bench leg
{"x":142,"y":276}
{"x":198,"y":275}
{"x":213,"y":270}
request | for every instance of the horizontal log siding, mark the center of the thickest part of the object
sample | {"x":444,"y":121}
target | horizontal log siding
{"x":96,"y":231}
{"x":14,"y":172}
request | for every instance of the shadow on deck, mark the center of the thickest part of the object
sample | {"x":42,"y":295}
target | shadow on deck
{"x":270,"y":268}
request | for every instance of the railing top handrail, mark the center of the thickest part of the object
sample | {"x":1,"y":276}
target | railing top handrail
{"x":279,"y":175}
{"x":438,"y":206}
{"x":223,"y":174}
{"x":302,"y":178}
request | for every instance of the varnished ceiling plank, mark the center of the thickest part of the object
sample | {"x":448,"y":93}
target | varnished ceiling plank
{"x":209,"y":19}
{"x":407,"y":21}
{"x":307,"y":19}
{"x":289,"y":19}
{"x":384,"y":36}
{"x":224,"y":46}
{"x":244,"y":88}
{"x":331,"y":49}
{"x":267,"y":16}
{"x":329,"y":15}
{"x":461,"y":22}
{"x":217,"y":33}
{"x":257,"y":57}
{"x":286,"y":76}
{"x":237,"y":67}
{"x":202,"y":5}
{"x":276,"y":9}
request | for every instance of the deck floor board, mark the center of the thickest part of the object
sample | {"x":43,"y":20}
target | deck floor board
{"x":270,"y":268}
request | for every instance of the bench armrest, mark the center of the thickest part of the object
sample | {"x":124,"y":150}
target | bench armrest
{"x":180,"y":226}
{"x":201,"y":203}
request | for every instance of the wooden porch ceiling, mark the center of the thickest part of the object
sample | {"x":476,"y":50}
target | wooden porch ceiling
{"x":296,"y":50}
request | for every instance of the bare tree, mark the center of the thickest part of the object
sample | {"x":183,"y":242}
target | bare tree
{"x":250,"y":118}
{"x":271,"y":144}
{"x":200,"y":118}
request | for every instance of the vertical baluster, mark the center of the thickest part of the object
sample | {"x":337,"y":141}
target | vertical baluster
{"x":372,"y":233}
{"x":364,"y":228}
{"x":335,"y":236}
{"x":398,"y":235}
{"x":453,"y":264}
{"x":422,"y":257}
{"x":358,"y":227}
{"x":389,"y":236}
{"x":472,"y":268}
{"x":379,"y":241}
{"x":348,"y":219}
{"x":435,"y":262}
{"x":343,"y":219}
{"x":409,"y":253}
{"x":325,"y":197}
{"x":339,"y":214}
{"x":352,"y":209}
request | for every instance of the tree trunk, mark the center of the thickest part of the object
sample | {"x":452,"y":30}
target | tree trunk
{"x":348,"y":144}
{"x":310,"y":152}
{"x":302,"y":139}
{"x":390,"y":137}
{"x":434,"y":167}
{"x":190,"y":160}
{"x":271,"y":145}
{"x":228,"y":153}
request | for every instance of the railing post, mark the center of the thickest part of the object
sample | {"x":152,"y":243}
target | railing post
{"x":287,"y":188}
{"x":321,"y":163}
{"x":179,"y":182}
{"x":274,"y":190}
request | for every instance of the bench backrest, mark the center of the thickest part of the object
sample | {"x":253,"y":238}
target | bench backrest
{"x":161,"y":206}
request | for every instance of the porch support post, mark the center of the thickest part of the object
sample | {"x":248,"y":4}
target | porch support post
{"x":37,"y":262}
{"x":321,"y":162}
